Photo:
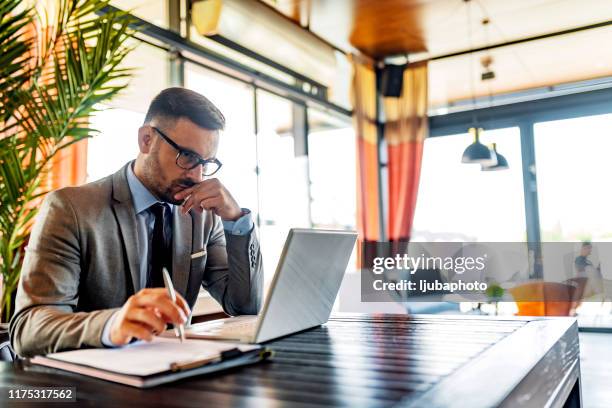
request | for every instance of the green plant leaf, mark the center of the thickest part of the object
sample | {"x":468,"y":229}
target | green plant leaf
{"x":50,"y":83}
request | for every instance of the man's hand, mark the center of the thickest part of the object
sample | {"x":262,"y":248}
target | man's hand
{"x":145,"y":315}
{"x":210,"y":195}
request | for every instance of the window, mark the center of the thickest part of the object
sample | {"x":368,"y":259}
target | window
{"x":333,"y":174}
{"x":331,"y":150}
{"x":283,"y":178}
{"x":459,"y":202}
{"x":571,"y":157}
{"x":116,"y":144}
{"x":119,"y":120}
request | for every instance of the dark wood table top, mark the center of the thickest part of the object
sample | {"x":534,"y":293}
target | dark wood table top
{"x":365,"y":360}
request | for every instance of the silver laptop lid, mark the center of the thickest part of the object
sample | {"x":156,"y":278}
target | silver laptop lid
{"x":306,"y":282}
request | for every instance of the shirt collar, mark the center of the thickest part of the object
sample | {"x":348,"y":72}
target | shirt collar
{"x":142,"y":197}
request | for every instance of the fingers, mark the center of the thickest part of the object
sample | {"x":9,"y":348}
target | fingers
{"x":146,"y":313}
{"x":210,"y":195}
{"x":194,"y":200}
{"x":212,"y":204}
{"x":158,"y":298}
{"x":194,"y":195}
{"x":125,"y":330}
{"x":148,"y":318}
{"x":186,"y":192}
{"x":132,"y":329}
{"x":160,"y":293}
{"x":205,"y":185}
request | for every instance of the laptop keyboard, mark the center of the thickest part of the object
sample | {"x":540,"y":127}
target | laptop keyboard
{"x":229,"y":326}
{"x":237,"y":327}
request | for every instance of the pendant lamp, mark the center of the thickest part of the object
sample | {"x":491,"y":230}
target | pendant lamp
{"x":477,"y":152}
{"x":502,"y":163}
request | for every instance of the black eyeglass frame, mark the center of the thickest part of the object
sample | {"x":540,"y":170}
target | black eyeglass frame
{"x":182,"y":150}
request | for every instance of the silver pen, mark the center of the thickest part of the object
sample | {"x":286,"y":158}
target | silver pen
{"x":172,"y":293}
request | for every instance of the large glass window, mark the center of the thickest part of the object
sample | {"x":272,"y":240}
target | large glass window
{"x":333,"y":174}
{"x":459,"y":202}
{"x":118,"y":121}
{"x":283,"y":177}
{"x":331,"y":151}
{"x":116,"y":144}
{"x":572,"y":156}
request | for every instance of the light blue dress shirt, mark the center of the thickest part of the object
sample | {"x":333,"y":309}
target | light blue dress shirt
{"x":143,"y":200}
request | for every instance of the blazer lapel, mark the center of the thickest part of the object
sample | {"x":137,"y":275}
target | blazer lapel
{"x":181,"y":250}
{"x":124,"y":210}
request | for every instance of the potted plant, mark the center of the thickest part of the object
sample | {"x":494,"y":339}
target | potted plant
{"x":56,"y":65}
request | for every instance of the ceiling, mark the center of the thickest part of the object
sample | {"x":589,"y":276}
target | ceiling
{"x":380,"y":28}
{"x":426,"y":29}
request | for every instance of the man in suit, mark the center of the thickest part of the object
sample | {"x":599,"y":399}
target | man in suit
{"x":92,"y":274}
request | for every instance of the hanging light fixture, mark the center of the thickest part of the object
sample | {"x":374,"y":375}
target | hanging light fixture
{"x":477,"y":152}
{"x":487,"y":157}
{"x":488,"y":75}
{"x":502,"y":163}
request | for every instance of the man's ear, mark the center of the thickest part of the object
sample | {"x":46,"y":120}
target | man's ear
{"x":145,"y":138}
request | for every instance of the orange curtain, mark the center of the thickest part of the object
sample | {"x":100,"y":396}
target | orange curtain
{"x":364,"y":118}
{"x":405,"y":131}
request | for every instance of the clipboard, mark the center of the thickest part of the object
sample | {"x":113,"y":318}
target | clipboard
{"x":82,"y":362}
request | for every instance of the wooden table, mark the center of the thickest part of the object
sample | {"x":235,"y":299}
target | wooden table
{"x":371,"y":361}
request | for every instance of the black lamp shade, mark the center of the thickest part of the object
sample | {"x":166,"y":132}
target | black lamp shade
{"x":477,"y":152}
{"x":502,"y":163}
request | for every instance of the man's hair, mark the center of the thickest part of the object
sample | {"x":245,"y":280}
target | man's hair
{"x":171,"y":104}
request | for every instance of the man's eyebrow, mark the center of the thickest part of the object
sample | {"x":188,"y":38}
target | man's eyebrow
{"x":186,"y":149}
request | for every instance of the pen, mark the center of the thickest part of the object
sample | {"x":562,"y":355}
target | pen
{"x":172,"y":293}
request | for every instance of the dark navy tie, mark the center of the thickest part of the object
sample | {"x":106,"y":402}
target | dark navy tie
{"x":161,"y":250}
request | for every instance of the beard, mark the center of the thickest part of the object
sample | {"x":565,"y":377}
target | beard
{"x":155,"y":181}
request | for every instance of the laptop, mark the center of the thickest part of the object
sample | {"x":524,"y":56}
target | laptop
{"x":302,"y":292}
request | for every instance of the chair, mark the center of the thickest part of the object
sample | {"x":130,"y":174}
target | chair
{"x":549,"y":298}
{"x":6,"y":352}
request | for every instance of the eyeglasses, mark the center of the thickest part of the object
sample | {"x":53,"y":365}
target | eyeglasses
{"x":187,"y":160}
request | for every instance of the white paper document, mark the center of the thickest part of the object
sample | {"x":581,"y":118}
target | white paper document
{"x":142,"y":358}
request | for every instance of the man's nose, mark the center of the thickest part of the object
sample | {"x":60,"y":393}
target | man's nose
{"x":195,"y":174}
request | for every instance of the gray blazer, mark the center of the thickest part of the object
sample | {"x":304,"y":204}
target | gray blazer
{"x":82,"y":264}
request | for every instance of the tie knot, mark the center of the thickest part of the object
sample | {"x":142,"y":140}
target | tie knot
{"x":159,"y":209}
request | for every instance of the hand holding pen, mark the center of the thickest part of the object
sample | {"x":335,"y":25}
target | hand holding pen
{"x":146,"y":313}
